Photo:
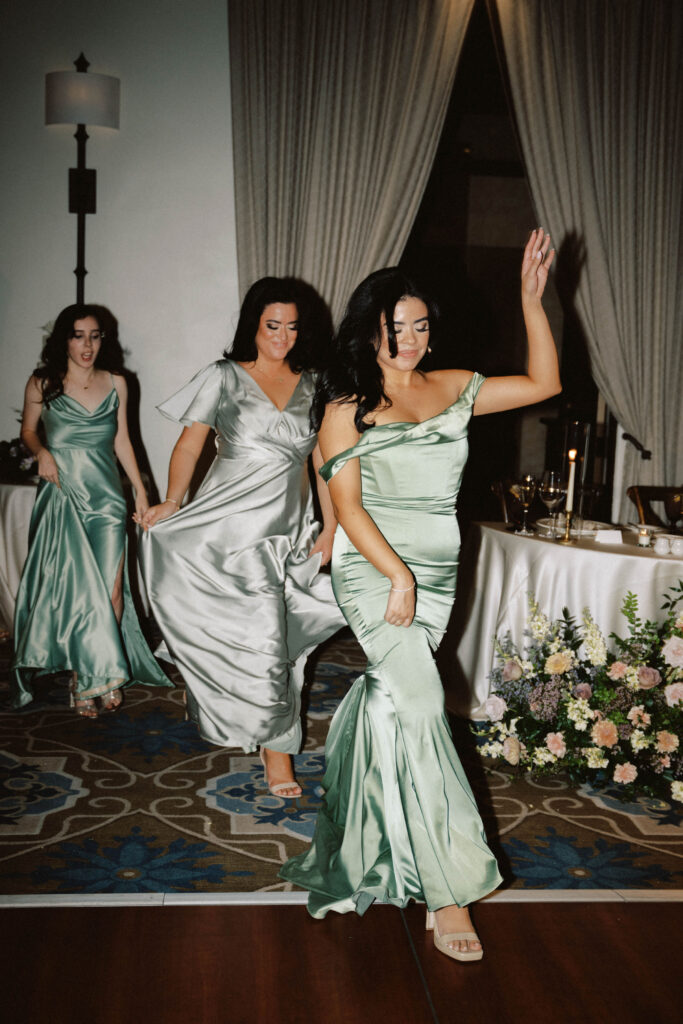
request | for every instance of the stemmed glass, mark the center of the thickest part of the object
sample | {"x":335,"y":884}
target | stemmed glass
{"x":524,"y":491}
{"x":551,"y":492}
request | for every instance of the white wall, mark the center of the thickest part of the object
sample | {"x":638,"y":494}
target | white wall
{"x":160,"y":251}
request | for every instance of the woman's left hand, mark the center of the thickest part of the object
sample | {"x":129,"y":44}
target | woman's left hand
{"x":536,"y":264}
{"x":324,"y":546}
{"x":141,"y":506}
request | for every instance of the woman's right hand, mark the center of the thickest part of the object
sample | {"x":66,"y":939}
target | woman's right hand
{"x":155,"y":513}
{"x":401,"y":604}
{"x":47,"y":467}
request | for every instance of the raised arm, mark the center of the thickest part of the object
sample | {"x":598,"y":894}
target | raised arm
{"x":33,"y":404}
{"x":184,"y":460}
{"x":337,"y":433}
{"x":542,"y":379}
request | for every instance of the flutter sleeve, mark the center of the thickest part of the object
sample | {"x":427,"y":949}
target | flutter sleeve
{"x":198,"y":400}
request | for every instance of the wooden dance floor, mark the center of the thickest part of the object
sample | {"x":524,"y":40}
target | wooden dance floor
{"x":556,"y":963}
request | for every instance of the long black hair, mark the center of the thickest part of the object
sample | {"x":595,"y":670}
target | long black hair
{"x":314,"y":332}
{"x":354,"y":374}
{"x":54,"y":357}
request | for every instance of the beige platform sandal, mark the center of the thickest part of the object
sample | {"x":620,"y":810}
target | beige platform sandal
{"x":441,"y":941}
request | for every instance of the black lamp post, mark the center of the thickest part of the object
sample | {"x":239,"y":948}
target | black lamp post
{"x":76,"y":97}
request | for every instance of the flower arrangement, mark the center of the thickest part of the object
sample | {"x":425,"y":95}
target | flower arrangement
{"x":16,"y":461}
{"x":569,"y":704}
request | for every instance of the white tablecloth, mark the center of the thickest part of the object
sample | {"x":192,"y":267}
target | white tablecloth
{"x":499,"y":569}
{"x":16,"y":505}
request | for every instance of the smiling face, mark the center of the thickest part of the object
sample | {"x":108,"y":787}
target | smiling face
{"x":84,"y":344}
{"x":411,"y":327}
{"x":277,"y":330}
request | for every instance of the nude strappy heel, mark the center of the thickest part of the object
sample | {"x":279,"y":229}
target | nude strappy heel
{"x":441,"y":941}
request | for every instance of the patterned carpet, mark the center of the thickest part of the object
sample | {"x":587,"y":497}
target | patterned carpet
{"x":136,"y":802}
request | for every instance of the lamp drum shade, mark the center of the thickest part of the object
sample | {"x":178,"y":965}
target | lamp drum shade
{"x":77,"y":97}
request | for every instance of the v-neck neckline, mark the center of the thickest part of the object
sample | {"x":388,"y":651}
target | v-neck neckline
{"x":267,"y":397}
{"x":90,"y":412}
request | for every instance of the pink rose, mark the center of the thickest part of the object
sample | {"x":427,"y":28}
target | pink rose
{"x":554,"y":741}
{"x":584,"y":691}
{"x":672,"y":649}
{"x":495,"y":708}
{"x":648,"y":677}
{"x":666,"y":742}
{"x":674,"y":694}
{"x":604,"y":734}
{"x":665,"y":761}
{"x":617,"y":670}
{"x":625,"y":773}
{"x":511,"y":749}
{"x":511,"y":670}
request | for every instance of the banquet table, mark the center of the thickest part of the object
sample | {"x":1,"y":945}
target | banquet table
{"x":499,"y":569}
{"x":16,"y":505}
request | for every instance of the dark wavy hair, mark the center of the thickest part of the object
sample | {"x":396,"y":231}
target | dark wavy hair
{"x":311,"y":348}
{"x":53,"y":359}
{"x":354,"y":375}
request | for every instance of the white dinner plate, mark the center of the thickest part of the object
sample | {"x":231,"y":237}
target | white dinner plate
{"x":637,"y":527}
{"x":589,"y":527}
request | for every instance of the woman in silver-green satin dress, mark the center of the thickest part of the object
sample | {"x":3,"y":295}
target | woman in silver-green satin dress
{"x":233,"y":577}
{"x":74,"y":610}
{"x":399,"y":820}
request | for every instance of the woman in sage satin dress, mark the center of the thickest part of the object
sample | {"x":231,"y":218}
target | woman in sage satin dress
{"x":399,"y":820}
{"x":233,"y":577}
{"x":74,"y":610}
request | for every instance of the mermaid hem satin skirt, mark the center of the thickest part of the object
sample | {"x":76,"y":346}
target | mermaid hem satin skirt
{"x":64,"y":620}
{"x":398,"y":819}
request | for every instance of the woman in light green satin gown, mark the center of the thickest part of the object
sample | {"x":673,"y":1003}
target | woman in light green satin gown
{"x":399,"y":820}
{"x":233,"y":577}
{"x":74,"y":610}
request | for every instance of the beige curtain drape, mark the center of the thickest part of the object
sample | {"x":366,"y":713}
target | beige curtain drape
{"x":337,"y":108}
{"x":596,"y":87}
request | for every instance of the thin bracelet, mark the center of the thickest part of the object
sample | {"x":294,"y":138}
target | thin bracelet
{"x":173,"y":501}
{"x":403,"y":590}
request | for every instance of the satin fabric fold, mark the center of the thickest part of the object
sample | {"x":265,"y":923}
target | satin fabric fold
{"x":398,"y":819}
{"x":64,"y":620}
{"x":239,"y":603}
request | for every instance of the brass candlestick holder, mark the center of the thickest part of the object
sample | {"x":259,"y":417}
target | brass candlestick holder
{"x":567,"y":539}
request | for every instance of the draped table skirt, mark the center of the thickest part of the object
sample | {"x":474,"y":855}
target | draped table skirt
{"x":498,"y":571}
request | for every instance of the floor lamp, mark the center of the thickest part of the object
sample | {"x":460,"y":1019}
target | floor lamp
{"x":76,"y":97}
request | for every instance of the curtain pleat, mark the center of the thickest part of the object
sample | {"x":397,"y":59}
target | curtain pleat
{"x":596,"y":87}
{"x":337,"y":109}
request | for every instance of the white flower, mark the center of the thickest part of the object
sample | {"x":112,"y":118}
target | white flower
{"x":595,"y":757}
{"x":492,"y":749}
{"x":543,"y":756}
{"x":495,"y":707}
{"x":639,"y":741}
{"x":539,"y":625}
{"x":593,"y":640}
{"x":677,"y":791}
{"x":631,"y":678}
{"x":527,"y":667}
{"x":580,"y":713}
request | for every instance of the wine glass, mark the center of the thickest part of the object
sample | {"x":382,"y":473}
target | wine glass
{"x":524,"y":491}
{"x":551,"y":492}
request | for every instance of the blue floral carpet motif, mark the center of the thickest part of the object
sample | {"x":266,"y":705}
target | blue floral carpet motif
{"x":154,"y":734}
{"x":136,"y":863}
{"x":137,"y":802}
{"x":557,"y":861}
{"x":243,"y":792}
